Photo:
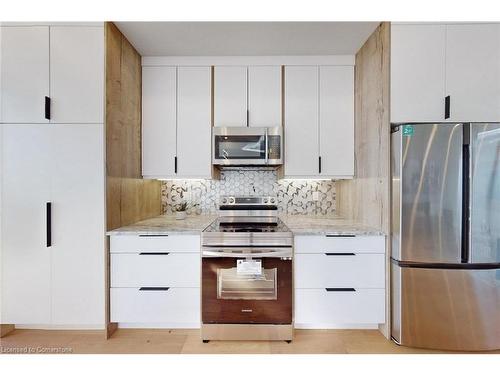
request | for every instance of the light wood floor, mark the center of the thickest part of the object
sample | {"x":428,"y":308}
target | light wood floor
{"x":188,"y":341}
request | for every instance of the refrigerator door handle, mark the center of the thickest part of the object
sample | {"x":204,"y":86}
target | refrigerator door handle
{"x":465,"y":245}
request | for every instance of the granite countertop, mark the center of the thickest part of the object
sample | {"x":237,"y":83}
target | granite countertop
{"x":167,"y":224}
{"x":314,"y":225}
{"x":298,"y":224}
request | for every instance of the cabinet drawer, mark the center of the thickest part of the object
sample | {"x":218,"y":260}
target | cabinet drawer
{"x":340,"y":270}
{"x":319,"y":308}
{"x":155,"y":269}
{"x":326,"y":244}
{"x":178,"y":307}
{"x":163,"y":243}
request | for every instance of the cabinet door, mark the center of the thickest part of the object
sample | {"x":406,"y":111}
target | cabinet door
{"x":159,"y":121}
{"x":76,"y":74}
{"x":230,"y":96}
{"x":417,"y":73}
{"x":25,"y":255}
{"x":301,"y":121}
{"x":336,"y":120}
{"x":473,"y":72}
{"x":264,"y":95}
{"x":24,"y":65}
{"x":193,"y":122}
{"x":78,"y":234}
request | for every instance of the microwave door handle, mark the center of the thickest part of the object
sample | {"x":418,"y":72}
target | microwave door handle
{"x":267,"y":151}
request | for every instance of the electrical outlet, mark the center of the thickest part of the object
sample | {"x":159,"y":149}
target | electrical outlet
{"x":315,"y":196}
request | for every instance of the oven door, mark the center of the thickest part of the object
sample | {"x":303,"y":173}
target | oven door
{"x":230,"y":297}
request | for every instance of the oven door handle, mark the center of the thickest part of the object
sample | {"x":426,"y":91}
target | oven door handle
{"x":227,"y":254}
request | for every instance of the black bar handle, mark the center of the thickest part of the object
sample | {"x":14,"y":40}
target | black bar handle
{"x":341,"y":235}
{"x":153,"y":288}
{"x":48,"y":223}
{"x":175,"y":164}
{"x":47,"y":108}
{"x":465,"y":251}
{"x":340,"y":289}
{"x":152,"y":253}
{"x":248,"y":117}
{"x":447,"y":107}
{"x":153,"y":235}
{"x":340,"y":254}
{"x":319,"y":162}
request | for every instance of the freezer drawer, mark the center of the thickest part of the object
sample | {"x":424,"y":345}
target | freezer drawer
{"x":449,"y":309}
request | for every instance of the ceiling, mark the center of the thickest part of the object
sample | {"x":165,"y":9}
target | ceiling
{"x":246,"y":38}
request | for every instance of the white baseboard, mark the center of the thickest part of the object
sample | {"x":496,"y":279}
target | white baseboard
{"x":335,"y":326}
{"x":61,"y":327}
{"x":161,"y":325}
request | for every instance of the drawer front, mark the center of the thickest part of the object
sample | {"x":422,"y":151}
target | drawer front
{"x":179,"y":307}
{"x":155,"y":269}
{"x":325,"y":244}
{"x":164,"y":243}
{"x":339,"y":270}
{"x":318,"y":308}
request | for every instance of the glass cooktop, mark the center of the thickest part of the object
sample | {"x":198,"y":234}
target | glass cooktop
{"x":247,"y":225}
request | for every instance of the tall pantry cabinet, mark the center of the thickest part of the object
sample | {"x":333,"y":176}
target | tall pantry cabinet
{"x":53,"y":176}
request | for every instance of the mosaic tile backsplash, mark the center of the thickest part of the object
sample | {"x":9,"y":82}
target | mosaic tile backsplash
{"x":295,"y":197}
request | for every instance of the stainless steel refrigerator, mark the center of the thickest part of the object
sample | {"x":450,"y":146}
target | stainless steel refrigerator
{"x":445,"y":264}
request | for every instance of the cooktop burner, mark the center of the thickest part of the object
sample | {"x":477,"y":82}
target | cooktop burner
{"x":247,"y":226}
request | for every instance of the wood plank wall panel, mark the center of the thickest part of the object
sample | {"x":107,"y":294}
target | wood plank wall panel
{"x":366,"y":198}
{"x":129,"y":198}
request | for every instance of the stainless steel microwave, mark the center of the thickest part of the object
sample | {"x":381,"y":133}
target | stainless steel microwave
{"x":247,"y":146}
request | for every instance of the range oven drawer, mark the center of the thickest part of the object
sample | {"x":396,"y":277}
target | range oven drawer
{"x":247,"y":309}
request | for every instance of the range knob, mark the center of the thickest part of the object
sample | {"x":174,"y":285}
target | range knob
{"x":224,"y":200}
{"x":265,"y":200}
{"x":231,"y":200}
{"x":273,"y":200}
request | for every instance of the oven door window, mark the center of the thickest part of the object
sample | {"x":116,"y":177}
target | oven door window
{"x":231,"y":285}
{"x":240,"y":147}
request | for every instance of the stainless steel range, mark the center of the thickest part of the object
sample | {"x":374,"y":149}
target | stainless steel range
{"x":247,"y":272}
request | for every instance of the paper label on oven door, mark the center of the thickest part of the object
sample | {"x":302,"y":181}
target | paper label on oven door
{"x":248,"y":267}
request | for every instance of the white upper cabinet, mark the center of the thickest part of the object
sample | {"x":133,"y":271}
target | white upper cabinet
{"x":417,"y":73}
{"x":473,"y":72}
{"x":24,"y":64}
{"x":230,"y":96}
{"x":447,"y":72}
{"x":176,"y":115}
{"x":264,"y":95}
{"x":77,"y":74}
{"x":336,"y":121}
{"x":194,"y":109}
{"x":61,"y":64}
{"x":159,"y":106}
{"x":301,"y":121}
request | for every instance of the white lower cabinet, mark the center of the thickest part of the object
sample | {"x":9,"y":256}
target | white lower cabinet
{"x":339,"y":281}
{"x":320,"y":308}
{"x":173,"y":307}
{"x":155,"y":280}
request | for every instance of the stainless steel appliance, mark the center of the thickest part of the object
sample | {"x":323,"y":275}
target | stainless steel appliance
{"x":247,"y":280}
{"x":239,"y":146}
{"x":446,"y":235}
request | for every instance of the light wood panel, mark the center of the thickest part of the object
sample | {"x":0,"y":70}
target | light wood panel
{"x":188,"y":341}
{"x":129,"y":198}
{"x":5,"y":329}
{"x":366,"y":198}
